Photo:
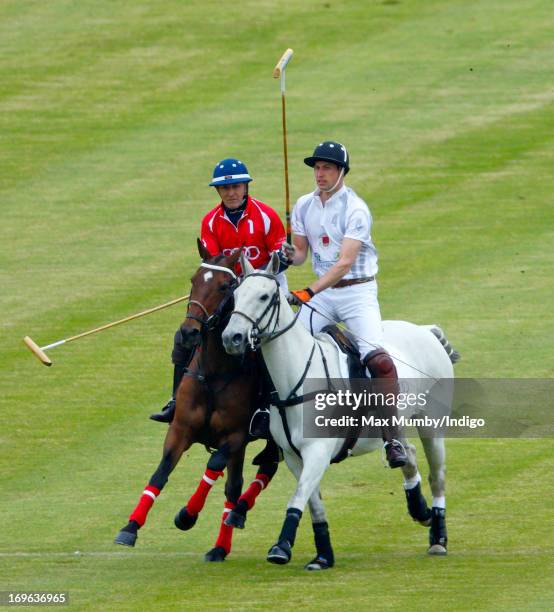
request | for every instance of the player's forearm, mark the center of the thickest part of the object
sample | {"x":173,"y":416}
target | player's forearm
{"x":299,"y":258}
{"x":301,"y":249}
{"x":332,"y":276}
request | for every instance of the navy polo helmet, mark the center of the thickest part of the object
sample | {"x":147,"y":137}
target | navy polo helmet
{"x":330,"y":151}
{"x":229,"y":171}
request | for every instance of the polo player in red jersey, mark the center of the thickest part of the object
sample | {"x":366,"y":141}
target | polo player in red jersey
{"x":239,"y":221}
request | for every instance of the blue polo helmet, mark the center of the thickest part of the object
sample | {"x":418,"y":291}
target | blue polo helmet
{"x":330,"y":151}
{"x":229,"y":171}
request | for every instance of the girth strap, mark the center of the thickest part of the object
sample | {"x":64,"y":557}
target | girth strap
{"x":283,"y":414}
{"x":347,"y":446}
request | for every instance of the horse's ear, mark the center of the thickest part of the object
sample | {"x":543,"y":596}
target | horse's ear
{"x":202,"y":250}
{"x":247,"y":267}
{"x":273,"y":265}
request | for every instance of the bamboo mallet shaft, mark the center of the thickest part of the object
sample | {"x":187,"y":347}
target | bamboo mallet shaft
{"x":279,"y":72}
{"x":38,"y":351}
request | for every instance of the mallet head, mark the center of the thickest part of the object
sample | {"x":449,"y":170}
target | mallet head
{"x":37,"y":351}
{"x":282,"y":63}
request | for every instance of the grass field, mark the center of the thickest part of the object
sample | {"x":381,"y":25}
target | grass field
{"x":112,"y":116}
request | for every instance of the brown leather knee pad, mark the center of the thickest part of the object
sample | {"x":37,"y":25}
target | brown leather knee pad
{"x":380,"y":364}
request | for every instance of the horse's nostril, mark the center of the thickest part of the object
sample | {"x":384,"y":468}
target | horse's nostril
{"x":237,"y":338}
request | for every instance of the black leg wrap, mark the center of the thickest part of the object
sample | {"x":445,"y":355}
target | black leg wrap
{"x":323,"y":544}
{"x":160,"y":476}
{"x":437,"y":532}
{"x":290,"y":526}
{"x":417,"y":506}
{"x":281,"y":552}
{"x":218,"y":461}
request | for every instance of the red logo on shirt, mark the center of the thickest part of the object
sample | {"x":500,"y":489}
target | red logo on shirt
{"x":325,"y":241}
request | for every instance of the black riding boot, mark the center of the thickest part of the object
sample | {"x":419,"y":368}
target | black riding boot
{"x":181,"y":358}
{"x":165,"y":415}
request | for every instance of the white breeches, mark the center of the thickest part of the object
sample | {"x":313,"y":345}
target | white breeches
{"x":356,"y":306}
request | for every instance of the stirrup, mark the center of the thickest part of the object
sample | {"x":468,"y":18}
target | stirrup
{"x":259,"y":424}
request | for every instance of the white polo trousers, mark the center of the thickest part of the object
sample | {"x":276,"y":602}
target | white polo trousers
{"x":356,"y":306}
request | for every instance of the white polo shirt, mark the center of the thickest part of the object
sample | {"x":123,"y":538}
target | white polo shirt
{"x":344,"y":215}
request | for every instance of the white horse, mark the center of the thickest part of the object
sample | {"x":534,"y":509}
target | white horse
{"x":262,"y":314}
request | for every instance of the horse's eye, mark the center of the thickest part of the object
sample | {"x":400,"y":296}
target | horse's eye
{"x":224,"y":287}
{"x":264,"y":297}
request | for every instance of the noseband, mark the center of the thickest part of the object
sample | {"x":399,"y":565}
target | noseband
{"x":257,"y":334}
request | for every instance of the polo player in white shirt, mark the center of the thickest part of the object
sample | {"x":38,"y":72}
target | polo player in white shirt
{"x":335,"y":224}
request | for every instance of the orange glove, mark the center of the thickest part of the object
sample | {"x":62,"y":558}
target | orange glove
{"x":302,"y":295}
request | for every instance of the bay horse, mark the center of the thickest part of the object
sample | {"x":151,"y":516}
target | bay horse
{"x":214,"y":403}
{"x":263,"y":317}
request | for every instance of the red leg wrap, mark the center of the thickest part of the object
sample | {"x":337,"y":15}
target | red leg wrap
{"x":255,"y":488}
{"x":145,"y":503}
{"x":225,"y":531}
{"x":196,"y":502}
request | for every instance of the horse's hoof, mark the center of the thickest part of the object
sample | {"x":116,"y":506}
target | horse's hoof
{"x":216,"y":554}
{"x":235,"y":519}
{"x":317,"y":564}
{"x":185,"y":521}
{"x":280,"y":553}
{"x":126,"y":538}
{"x":437,"y":550}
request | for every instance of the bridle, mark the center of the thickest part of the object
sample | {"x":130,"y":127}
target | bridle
{"x":210,"y":321}
{"x":257,"y":333}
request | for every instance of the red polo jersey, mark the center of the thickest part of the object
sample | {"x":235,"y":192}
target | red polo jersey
{"x":258,"y":232}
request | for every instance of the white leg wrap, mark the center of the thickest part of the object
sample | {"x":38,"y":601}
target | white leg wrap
{"x":439,"y":502}
{"x":410,"y":483}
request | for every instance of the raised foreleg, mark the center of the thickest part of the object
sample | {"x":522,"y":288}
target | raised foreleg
{"x":187,"y":516}
{"x":177,"y":441}
{"x":417,"y":505}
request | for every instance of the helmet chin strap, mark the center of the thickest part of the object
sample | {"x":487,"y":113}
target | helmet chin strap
{"x":341,"y":174}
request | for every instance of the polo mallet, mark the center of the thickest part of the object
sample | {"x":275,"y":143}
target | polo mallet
{"x":279,"y":71}
{"x":39,"y":353}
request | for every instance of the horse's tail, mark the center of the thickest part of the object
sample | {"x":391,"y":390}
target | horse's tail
{"x":441,"y":337}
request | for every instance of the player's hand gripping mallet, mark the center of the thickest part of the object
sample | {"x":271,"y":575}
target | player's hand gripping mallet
{"x":38,"y":351}
{"x":279,"y":71}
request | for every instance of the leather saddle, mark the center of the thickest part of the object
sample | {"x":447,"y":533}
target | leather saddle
{"x":347,"y":345}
